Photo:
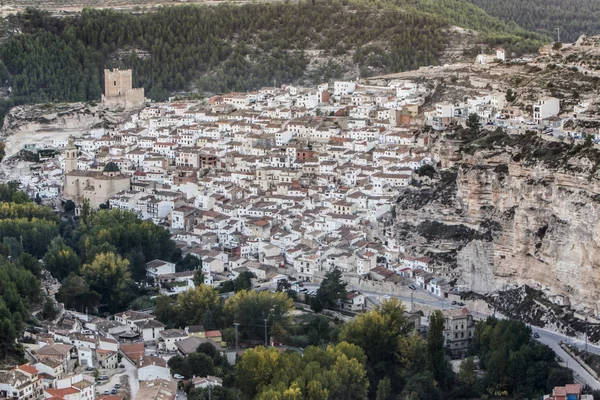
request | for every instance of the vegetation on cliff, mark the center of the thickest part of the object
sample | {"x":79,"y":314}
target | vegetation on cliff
{"x":573,"y":17}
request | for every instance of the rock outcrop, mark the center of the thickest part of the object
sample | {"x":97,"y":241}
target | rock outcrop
{"x":533,"y":208}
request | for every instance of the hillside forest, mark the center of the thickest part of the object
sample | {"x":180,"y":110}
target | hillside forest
{"x":228,"y":47}
{"x":573,"y":17}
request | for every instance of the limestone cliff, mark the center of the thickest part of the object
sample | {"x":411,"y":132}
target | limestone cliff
{"x":528,"y":209}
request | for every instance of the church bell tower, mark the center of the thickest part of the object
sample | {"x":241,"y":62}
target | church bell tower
{"x":70,"y":157}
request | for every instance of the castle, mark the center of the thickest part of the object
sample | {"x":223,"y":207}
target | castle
{"x":96,"y":186}
{"x":119,"y":91}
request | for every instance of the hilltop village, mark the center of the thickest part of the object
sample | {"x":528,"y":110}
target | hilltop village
{"x":283,"y":182}
{"x":286,"y":184}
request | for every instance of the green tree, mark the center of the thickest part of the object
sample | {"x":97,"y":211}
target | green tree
{"x":510,"y":95}
{"x":436,"y":356}
{"x":382,"y":335}
{"x":69,"y":206}
{"x":473,"y":122}
{"x":193,"y":304}
{"x":76,"y":294}
{"x":243,"y":281}
{"x":109,"y":276}
{"x":384,"y":389}
{"x":467,"y":372}
{"x":421,"y":387}
{"x":165,"y":311}
{"x":250,"y":309}
{"x":332,"y":289}
{"x":188,"y":263}
{"x":255,"y":369}
{"x":198,"y":277}
{"x":61,"y":260}
{"x":86,"y":212}
{"x":20,"y":197}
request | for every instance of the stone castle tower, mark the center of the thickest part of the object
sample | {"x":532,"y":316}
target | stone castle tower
{"x":119,"y":91}
{"x":70,"y":157}
{"x":117,"y":82}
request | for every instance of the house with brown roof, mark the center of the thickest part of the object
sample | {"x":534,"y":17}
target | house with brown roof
{"x":59,"y":352}
{"x":354,"y":301}
{"x":157,"y":389}
{"x":133,"y":351}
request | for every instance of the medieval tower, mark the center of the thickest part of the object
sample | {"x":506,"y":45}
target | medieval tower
{"x":119,"y":91}
{"x":117,"y":82}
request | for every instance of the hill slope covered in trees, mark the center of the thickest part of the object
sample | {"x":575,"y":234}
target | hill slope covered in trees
{"x":573,"y":17}
{"x":234,"y":47}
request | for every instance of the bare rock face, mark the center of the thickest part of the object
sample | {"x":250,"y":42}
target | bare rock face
{"x":534,"y":210}
{"x":42,"y":124}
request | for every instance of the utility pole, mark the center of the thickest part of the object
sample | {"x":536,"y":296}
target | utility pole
{"x":235,"y":324}
{"x":266,"y":333}
{"x":209,"y":392}
{"x":412,"y":305}
{"x":558,"y":29}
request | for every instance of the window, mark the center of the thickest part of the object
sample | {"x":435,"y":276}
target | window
{"x":115,"y":83}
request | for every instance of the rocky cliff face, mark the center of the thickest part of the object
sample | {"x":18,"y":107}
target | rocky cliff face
{"x":529,"y":210}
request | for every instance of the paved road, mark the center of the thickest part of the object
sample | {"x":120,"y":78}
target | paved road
{"x":552,"y":340}
{"x":130,"y":371}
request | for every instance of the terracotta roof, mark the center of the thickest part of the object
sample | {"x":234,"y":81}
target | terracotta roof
{"x":62,"y":392}
{"x":134,"y":350}
{"x":28,"y":369}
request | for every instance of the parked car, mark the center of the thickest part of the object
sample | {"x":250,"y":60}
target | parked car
{"x":103,"y":378}
{"x":114,"y":391}
{"x":117,"y":386}
{"x":536,"y":335}
{"x":89,"y":369}
{"x":300,"y":284}
{"x":121,"y":365}
{"x":177,"y":376}
{"x":453,"y":302}
{"x":460,"y":303}
{"x":106,"y":392}
{"x":412,"y":287}
{"x":386,"y":296}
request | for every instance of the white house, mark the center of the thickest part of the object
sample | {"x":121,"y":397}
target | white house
{"x":169,"y":337}
{"x":150,"y":330}
{"x":342,"y":87}
{"x":156,"y":268}
{"x":207,"y":381}
{"x":150,"y":367}
{"x":85,"y":356}
{"x":545,"y":108}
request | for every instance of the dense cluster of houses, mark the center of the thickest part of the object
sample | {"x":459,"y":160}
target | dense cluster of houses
{"x":68,"y":357}
{"x":281,"y":182}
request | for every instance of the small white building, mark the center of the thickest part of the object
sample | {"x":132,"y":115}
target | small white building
{"x":343,"y":87}
{"x":500,"y":54}
{"x":171,"y":336}
{"x":85,"y":356}
{"x":206,"y":382}
{"x":150,"y":367}
{"x":156,"y":268}
{"x":545,"y":108}
{"x":150,"y":330}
